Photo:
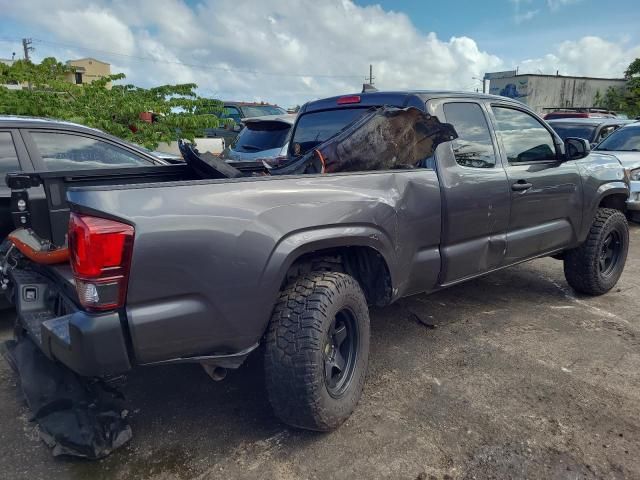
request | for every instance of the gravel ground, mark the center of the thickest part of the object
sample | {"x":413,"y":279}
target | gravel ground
{"x":508,"y":376}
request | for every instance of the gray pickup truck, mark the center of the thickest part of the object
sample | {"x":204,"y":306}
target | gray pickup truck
{"x":167,"y":267}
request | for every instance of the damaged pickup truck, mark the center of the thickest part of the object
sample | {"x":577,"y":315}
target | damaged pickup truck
{"x":379,"y":199}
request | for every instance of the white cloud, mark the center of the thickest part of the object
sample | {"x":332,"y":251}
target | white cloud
{"x":556,"y":4}
{"x":283,"y":51}
{"x":520,"y":16}
{"x":588,"y":56}
{"x":94,"y":26}
{"x":526,"y":16}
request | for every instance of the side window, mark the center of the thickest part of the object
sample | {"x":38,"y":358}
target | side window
{"x":605,"y":132}
{"x":233,"y":113}
{"x":8,"y":156}
{"x":64,"y":151}
{"x":524,"y":138}
{"x":473,"y":147}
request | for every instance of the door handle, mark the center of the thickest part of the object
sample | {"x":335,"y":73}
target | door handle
{"x":521,"y":186}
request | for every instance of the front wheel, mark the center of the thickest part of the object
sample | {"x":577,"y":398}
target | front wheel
{"x":317,"y":350}
{"x":595,"y":266}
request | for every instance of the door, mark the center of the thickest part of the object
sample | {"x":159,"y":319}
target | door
{"x":475,"y":193}
{"x":546,"y":191}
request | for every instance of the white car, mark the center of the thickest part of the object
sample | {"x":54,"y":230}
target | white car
{"x":624,"y":143}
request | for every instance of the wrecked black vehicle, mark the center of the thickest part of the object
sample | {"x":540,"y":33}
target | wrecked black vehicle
{"x":384,"y":195}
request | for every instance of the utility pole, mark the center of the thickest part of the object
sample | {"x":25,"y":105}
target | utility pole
{"x":371,"y":77}
{"x":26,"y":45}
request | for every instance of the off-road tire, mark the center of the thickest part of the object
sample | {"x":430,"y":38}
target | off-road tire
{"x":581,"y":265}
{"x":295,"y":351}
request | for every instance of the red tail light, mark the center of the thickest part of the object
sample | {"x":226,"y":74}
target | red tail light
{"x":100,"y":252}
{"x":349,"y":99}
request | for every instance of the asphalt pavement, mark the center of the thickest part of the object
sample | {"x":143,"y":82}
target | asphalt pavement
{"x":509,"y":376}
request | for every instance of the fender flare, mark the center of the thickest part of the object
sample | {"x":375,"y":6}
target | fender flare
{"x":295,"y":244}
{"x":606,"y":189}
{"x":298,"y":243}
{"x":603,"y":191}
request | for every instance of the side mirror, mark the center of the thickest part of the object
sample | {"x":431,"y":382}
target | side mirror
{"x":237,"y":127}
{"x":576,"y":148}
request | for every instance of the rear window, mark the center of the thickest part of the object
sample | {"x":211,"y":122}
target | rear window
{"x":580,"y":131}
{"x":317,"y":127}
{"x":622,"y":140}
{"x":256,"y":137}
{"x":261,"y":110}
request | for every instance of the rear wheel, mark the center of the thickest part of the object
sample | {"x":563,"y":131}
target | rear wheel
{"x":595,"y":267}
{"x":317,"y":350}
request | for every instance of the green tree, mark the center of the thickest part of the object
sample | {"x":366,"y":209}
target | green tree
{"x":626,"y":99}
{"x":178,"y":112}
{"x":632,"y":69}
{"x":597,"y":99}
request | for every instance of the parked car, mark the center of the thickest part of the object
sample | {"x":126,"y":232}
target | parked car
{"x":28,"y":144}
{"x":578,"y":112}
{"x":261,"y":138}
{"x":234,"y":112}
{"x":206,"y":271}
{"x":594,"y":130}
{"x":624,"y":143}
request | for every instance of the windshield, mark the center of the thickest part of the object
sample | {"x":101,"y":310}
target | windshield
{"x":261,"y":110}
{"x":259,"y":136}
{"x":581,"y":131}
{"x":622,"y":140}
{"x":316,"y":127}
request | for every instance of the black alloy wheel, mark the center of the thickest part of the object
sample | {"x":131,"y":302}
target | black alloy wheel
{"x":610,"y":253}
{"x":340,"y":352}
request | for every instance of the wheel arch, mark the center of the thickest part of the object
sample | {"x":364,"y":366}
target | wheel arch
{"x":608,"y":195}
{"x":363,"y":251}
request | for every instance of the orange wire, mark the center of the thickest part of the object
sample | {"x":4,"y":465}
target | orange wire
{"x":321,"y":161}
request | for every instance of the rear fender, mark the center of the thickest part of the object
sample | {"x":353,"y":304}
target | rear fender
{"x":296,"y":244}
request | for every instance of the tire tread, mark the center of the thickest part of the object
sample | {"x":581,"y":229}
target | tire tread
{"x":293,"y":339}
{"x":580,"y":266}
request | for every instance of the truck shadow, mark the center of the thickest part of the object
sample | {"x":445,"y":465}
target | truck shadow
{"x":173,"y":403}
{"x":184,"y":423}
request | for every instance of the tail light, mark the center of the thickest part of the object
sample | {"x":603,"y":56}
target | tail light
{"x":100,"y":252}
{"x":349,"y":99}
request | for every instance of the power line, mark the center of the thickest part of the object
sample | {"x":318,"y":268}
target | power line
{"x":193,"y":65}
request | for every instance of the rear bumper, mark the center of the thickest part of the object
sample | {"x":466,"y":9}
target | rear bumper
{"x":89,"y":344}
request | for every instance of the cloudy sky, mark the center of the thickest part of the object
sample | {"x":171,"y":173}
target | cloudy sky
{"x":290,"y":51}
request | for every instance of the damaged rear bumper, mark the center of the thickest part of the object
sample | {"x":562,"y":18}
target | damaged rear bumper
{"x":89,"y":344}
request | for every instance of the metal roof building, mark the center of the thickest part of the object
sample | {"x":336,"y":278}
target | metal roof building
{"x":549,"y":91}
